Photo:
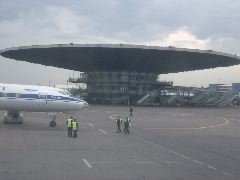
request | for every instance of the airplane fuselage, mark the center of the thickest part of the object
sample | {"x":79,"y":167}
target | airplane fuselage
{"x":15,"y":97}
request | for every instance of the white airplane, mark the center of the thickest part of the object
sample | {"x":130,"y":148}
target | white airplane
{"x":15,"y":98}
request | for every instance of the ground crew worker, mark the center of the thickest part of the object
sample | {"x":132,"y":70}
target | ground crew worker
{"x":131,"y":111}
{"x":74,"y":127}
{"x":127,"y":124}
{"x":69,"y":126}
{"x":129,"y":121}
{"x":119,"y":122}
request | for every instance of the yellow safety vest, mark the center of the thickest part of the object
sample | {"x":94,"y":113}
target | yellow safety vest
{"x":69,"y":122}
{"x":74,"y":125}
{"x":129,"y":121}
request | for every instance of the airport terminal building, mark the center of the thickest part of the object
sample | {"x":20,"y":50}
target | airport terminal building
{"x":119,"y":87}
{"x":121,"y":73}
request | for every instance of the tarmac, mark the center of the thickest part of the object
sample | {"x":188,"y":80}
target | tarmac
{"x":163,"y":144}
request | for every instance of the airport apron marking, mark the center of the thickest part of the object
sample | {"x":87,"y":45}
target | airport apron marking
{"x":226,"y":122}
{"x":184,"y":156}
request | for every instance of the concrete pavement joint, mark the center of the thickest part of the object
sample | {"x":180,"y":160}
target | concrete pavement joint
{"x":89,"y":110}
{"x":144,"y":162}
{"x":117,"y":162}
{"x":105,"y":162}
{"x":172,"y":162}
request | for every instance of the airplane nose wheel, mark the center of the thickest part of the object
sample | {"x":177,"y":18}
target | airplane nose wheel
{"x":52,"y":124}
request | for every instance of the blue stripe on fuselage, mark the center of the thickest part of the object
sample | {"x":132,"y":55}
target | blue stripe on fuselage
{"x":37,"y":96}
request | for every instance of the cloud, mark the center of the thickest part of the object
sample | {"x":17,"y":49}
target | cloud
{"x":183,"y":39}
{"x":55,"y":24}
{"x":175,"y":23}
{"x":191,"y":24}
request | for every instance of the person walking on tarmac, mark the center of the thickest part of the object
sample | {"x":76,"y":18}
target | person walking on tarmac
{"x":119,"y":122}
{"x":127,"y":124}
{"x":74,"y":127}
{"x":69,"y":126}
{"x":131,"y":111}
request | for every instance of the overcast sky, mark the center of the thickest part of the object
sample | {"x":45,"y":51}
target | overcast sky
{"x":202,"y":24}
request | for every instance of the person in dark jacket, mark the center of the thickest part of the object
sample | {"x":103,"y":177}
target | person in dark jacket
{"x":127,"y":124}
{"x":131,"y":111}
{"x":119,"y":122}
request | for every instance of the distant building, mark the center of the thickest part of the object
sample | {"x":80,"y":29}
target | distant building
{"x":236,"y":87}
{"x":213,"y":87}
{"x":220,"y":87}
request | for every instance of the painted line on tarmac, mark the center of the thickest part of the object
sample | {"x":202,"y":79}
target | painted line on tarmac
{"x":104,"y":132}
{"x":169,"y":128}
{"x":226,"y":122}
{"x":227,"y":173}
{"x":211,"y":167}
{"x":181,"y":155}
{"x":87,"y":163}
{"x":91,"y":125}
{"x":165,"y":148}
{"x":198,"y":162}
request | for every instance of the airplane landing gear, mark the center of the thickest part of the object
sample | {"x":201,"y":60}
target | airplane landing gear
{"x":53,"y":122}
{"x":13,"y":117}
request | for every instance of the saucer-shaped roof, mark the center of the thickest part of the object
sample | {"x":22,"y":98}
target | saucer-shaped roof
{"x":121,"y":57}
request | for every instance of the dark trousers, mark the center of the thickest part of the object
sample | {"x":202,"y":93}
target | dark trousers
{"x":126,"y":130}
{"x":74,"y":133}
{"x":119,"y":128}
{"x":69,"y":132}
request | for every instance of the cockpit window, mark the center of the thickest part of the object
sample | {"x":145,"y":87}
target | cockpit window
{"x":64,"y":92}
{"x":67,"y":93}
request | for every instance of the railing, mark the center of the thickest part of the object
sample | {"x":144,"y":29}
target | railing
{"x":147,"y":98}
{"x":78,"y":80}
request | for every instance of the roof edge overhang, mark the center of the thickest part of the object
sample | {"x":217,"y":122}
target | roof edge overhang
{"x":124,"y":46}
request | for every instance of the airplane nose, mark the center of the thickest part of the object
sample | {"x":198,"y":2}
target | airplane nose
{"x":85,"y":104}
